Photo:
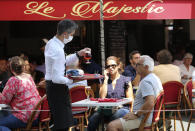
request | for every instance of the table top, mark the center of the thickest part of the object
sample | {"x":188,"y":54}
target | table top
{"x":3,"y":106}
{"x":88,"y":103}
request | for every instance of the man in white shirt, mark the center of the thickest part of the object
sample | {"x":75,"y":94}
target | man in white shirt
{"x":56,"y":82}
{"x":149,"y":88}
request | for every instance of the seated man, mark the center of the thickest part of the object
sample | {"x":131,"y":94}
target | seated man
{"x":130,"y":69}
{"x":150,"y":86}
{"x":165,"y":70}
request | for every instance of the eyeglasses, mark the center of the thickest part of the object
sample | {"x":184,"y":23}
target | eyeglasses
{"x":113,"y":66}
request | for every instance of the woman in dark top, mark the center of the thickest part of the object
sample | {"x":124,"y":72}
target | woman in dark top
{"x":114,"y":85}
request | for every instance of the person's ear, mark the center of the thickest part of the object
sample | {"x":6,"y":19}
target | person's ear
{"x":130,"y":61}
{"x":146,"y":66}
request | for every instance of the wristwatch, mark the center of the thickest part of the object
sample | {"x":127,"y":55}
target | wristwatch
{"x":136,"y":113}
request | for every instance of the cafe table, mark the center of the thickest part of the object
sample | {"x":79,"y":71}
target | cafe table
{"x":89,"y":103}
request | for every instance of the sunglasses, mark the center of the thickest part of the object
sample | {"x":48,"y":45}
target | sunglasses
{"x":113,"y":66}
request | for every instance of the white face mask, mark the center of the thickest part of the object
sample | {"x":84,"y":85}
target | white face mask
{"x":68,"y":40}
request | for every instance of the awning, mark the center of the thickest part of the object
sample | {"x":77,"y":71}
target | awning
{"x":25,"y":10}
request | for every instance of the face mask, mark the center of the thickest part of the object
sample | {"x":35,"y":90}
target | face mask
{"x":68,"y":40}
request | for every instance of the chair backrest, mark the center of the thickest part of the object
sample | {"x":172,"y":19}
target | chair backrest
{"x":45,"y":113}
{"x":158,"y":106}
{"x":156,"y":114}
{"x":172,"y":92}
{"x":34,"y":112}
{"x":78,"y":93}
{"x":188,"y":87}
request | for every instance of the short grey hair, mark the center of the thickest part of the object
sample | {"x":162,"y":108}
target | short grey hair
{"x":188,"y":55}
{"x":147,"y":60}
{"x":66,"y":26}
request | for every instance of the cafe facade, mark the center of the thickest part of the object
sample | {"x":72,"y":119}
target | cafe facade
{"x":145,"y":25}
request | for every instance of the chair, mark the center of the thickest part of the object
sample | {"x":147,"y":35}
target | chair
{"x":188,"y":97}
{"x":172,"y":98}
{"x":78,"y":93}
{"x":159,"y":102}
{"x":44,"y":117}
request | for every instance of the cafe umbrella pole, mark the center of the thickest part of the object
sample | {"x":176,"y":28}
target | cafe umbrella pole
{"x":102,"y":42}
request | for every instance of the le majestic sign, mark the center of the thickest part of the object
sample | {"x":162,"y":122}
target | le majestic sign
{"x":90,"y":10}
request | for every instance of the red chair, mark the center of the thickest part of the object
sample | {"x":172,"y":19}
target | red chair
{"x":78,"y":93}
{"x":188,"y":97}
{"x":44,"y":117}
{"x":188,"y":87}
{"x":172,"y":98}
{"x":159,"y":102}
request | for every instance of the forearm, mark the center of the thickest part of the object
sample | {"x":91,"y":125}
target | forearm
{"x":103,"y":89}
{"x":129,"y":91}
{"x":147,"y":107}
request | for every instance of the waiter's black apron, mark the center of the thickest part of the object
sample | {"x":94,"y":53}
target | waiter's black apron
{"x":59,"y":103}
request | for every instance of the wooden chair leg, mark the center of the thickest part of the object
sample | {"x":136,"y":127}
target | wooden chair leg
{"x":82,"y":124}
{"x":164,"y":124}
{"x":174,"y":121}
{"x":180,"y":119}
{"x":191,"y":113}
{"x":153,"y":126}
{"x":157,"y":127}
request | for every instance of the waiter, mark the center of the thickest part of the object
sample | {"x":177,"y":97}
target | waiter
{"x":56,"y":83}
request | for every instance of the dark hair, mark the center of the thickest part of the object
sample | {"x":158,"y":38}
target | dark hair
{"x":133,"y":53}
{"x":17,"y":64}
{"x":66,"y":26}
{"x":164,"y":57}
{"x":118,"y":62}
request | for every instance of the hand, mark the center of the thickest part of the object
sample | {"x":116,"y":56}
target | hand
{"x":82,"y":52}
{"x":42,"y":84}
{"x":106,"y":74}
{"x":185,"y":77}
{"x":130,"y":116}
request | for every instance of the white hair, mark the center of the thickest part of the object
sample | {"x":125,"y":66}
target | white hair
{"x":147,"y":60}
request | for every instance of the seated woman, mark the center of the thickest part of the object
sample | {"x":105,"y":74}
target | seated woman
{"x":114,"y":85}
{"x":20,"y":93}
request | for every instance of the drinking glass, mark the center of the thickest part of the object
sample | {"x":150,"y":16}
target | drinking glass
{"x":87,"y":57}
{"x":87,"y":91}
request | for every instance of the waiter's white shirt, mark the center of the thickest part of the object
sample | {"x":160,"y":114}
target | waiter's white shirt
{"x":55,"y":61}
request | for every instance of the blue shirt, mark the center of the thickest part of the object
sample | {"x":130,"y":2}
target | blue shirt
{"x":130,"y":72}
{"x":120,"y":88}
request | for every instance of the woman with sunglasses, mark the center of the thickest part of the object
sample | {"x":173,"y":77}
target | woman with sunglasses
{"x":114,"y":85}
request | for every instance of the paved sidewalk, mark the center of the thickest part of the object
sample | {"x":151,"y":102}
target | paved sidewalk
{"x":185,"y":124}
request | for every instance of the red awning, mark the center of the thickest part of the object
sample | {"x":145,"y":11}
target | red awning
{"x":12,"y":10}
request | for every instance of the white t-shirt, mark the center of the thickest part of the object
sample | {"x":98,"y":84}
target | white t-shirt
{"x":193,"y":75}
{"x":149,"y":85}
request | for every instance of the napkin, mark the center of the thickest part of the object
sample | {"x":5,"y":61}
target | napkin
{"x":107,"y":100}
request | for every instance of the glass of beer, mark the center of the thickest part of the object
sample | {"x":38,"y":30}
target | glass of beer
{"x":87,"y":57}
{"x":87,"y":91}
